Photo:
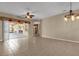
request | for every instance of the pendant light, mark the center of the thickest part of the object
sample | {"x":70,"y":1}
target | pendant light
{"x":71,"y":15}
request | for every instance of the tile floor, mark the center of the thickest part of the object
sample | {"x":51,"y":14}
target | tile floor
{"x":38,"y":47}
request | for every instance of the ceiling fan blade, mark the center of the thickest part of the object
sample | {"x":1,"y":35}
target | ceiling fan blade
{"x":32,"y":16}
{"x":28,"y":13}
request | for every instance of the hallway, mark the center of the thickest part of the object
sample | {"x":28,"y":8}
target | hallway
{"x":38,"y":46}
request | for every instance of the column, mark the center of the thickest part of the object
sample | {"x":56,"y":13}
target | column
{"x":30,"y":30}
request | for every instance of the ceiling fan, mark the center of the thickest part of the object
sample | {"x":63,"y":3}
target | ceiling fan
{"x":29,"y":15}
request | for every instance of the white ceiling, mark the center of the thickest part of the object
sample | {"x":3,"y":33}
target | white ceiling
{"x":40,"y":9}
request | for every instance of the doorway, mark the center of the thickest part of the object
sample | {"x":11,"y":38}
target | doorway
{"x":36,"y":29}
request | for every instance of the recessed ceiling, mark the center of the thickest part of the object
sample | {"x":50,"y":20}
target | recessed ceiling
{"x":40,"y":9}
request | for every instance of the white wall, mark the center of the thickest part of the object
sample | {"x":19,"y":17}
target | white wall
{"x":1,"y":30}
{"x":6,"y":30}
{"x":56,"y":27}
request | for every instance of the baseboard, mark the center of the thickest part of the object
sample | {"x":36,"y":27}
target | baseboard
{"x":62,"y":39}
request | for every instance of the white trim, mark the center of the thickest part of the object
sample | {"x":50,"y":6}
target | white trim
{"x":62,"y":39}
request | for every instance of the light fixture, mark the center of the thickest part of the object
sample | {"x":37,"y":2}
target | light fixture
{"x":77,"y":17}
{"x":65,"y":18}
{"x":29,"y":15}
{"x":71,"y":16}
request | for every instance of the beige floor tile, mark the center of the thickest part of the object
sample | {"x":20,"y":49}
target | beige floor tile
{"x":38,"y":47}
